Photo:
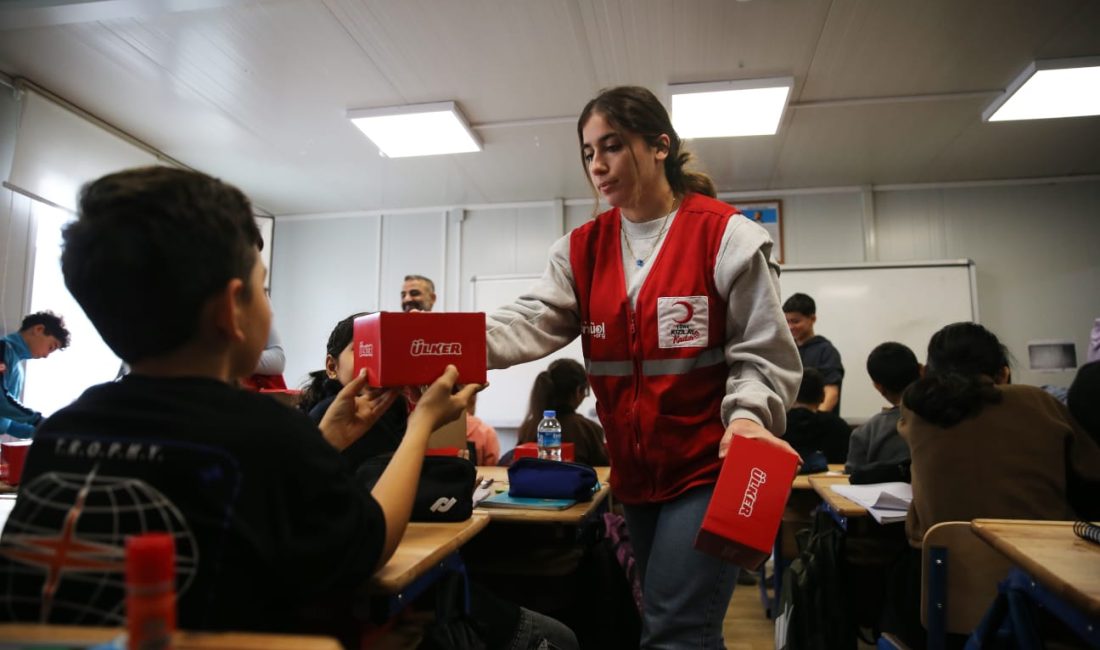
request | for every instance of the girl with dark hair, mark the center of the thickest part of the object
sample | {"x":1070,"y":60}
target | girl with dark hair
{"x":323,"y":386}
{"x":561,"y":388}
{"x":982,"y":447}
{"x":676,"y":301}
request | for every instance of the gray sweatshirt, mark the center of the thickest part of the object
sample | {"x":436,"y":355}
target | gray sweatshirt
{"x":764,"y":367}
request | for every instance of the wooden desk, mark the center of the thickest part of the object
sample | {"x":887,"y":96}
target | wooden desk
{"x":53,"y":635}
{"x":843,"y":506}
{"x":1052,"y":555}
{"x":574,"y":514}
{"x":802,"y":481}
{"x":424,"y":547}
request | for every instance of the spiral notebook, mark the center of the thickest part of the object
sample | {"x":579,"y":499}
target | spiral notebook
{"x":1087,"y":531}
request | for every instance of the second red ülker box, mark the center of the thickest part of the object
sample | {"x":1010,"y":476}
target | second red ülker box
{"x":413,"y":349}
{"x":746,"y":508}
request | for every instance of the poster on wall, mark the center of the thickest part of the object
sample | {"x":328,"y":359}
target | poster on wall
{"x":769,"y":215}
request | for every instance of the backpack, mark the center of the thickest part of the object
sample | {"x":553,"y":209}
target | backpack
{"x":814,"y":609}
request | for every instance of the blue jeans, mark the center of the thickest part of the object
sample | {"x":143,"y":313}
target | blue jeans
{"x":685,"y":593}
{"x":536,"y":631}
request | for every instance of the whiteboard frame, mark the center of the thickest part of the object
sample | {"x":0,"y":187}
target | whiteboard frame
{"x":962,"y":261}
{"x":971,"y":271}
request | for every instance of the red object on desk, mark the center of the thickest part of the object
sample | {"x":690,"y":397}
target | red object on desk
{"x":531,"y":450}
{"x":150,"y":590}
{"x":14,"y":455}
{"x":413,"y":349}
{"x":744,"y":513}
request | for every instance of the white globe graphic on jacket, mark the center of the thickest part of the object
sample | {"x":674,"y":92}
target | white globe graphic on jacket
{"x":67,"y":535}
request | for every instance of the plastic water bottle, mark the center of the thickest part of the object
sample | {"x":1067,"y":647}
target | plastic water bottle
{"x":549,"y":437}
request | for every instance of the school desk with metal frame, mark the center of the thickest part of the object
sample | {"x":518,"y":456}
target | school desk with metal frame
{"x":574,"y":515}
{"x":1056,"y":570}
{"x":841,"y":508}
{"x":424,"y":554}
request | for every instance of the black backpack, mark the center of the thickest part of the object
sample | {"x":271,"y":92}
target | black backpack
{"x":814,"y":611}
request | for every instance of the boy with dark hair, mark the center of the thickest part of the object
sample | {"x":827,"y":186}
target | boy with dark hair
{"x":876,"y":446}
{"x":40,"y":335}
{"x":267,"y":519}
{"x":815,"y":351}
{"x":810,"y":429}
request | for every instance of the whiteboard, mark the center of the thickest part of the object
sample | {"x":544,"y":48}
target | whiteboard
{"x":504,"y":403}
{"x":862,"y":305}
{"x":858,"y":307}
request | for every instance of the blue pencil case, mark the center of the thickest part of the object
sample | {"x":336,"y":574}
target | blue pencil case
{"x":551,"y":479}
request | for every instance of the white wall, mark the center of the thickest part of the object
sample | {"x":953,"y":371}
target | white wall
{"x":15,"y":225}
{"x":1034,"y":246}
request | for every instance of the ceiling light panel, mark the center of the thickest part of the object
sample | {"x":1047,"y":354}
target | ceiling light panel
{"x":416,"y":129}
{"x":729,"y":108}
{"x":1050,"y":89}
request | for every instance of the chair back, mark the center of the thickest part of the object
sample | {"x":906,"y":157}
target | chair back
{"x":959,"y":578}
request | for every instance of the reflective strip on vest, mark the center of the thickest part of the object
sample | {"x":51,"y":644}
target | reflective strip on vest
{"x":609,"y":368}
{"x":654,"y":367}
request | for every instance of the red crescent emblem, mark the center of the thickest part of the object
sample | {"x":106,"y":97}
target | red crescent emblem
{"x":690,"y":311}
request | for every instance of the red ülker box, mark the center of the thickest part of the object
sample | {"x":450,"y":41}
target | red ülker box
{"x":744,"y":513}
{"x":413,"y":349}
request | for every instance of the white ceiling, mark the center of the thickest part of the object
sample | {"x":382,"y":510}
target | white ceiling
{"x":886,"y":91}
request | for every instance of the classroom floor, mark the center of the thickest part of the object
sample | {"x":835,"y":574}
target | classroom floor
{"x":745,"y":626}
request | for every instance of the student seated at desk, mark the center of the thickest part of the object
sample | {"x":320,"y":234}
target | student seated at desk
{"x":385,"y":435}
{"x":561,"y":388}
{"x":809,"y":429}
{"x":267,"y":520}
{"x":40,"y":335}
{"x":482,"y":436}
{"x":324,"y":385}
{"x":983,"y":448}
{"x":503,"y":624}
{"x":876,"y":453}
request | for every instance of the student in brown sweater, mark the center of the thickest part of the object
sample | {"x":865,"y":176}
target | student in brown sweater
{"x":984,"y":448}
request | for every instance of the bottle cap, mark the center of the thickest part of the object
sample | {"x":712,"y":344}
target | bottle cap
{"x":150,"y":559}
{"x":549,"y":414}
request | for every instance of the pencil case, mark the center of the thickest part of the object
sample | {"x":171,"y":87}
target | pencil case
{"x":551,"y":479}
{"x":444,"y":493}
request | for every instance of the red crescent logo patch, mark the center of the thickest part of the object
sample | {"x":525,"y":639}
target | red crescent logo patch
{"x":690,"y":312}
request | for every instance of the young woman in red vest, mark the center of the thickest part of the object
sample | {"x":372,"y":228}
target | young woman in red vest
{"x":678,"y":309}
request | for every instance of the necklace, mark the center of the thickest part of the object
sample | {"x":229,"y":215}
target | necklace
{"x":640,"y":261}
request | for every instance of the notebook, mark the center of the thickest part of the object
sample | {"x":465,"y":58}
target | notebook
{"x":504,"y":500}
{"x":886,"y":502}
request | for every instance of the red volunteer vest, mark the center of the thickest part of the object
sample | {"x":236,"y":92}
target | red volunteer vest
{"x":658,"y":372}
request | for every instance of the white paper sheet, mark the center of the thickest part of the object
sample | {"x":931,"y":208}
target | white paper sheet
{"x":886,"y":502}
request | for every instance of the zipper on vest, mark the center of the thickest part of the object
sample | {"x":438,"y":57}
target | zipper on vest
{"x":635,"y":353}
